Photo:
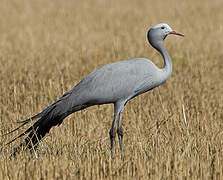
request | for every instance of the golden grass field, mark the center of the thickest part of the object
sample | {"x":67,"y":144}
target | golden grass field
{"x":173,"y":132}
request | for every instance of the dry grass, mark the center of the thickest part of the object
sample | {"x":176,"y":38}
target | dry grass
{"x":46,"y":47}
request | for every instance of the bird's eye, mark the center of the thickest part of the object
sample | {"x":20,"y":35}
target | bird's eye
{"x":162,"y":27}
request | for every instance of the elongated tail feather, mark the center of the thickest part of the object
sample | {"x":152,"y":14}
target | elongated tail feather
{"x":39,"y":129}
{"x":24,"y":122}
{"x":51,"y":116}
{"x":14,"y":129}
{"x":31,"y":119}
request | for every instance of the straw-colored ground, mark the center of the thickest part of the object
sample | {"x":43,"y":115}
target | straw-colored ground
{"x":173,"y":132}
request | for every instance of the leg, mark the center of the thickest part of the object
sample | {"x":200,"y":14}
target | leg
{"x":120,"y":132}
{"x":118,"y":109}
{"x":112,"y":132}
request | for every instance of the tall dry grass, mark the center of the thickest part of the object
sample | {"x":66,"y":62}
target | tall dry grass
{"x":172,"y":132}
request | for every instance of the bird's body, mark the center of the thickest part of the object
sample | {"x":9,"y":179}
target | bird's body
{"x":115,"y":83}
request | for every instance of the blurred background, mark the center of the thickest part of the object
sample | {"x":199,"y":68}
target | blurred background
{"x":174,"y":131}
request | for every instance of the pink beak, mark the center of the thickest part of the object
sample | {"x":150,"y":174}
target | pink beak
{"x":176,"y":33}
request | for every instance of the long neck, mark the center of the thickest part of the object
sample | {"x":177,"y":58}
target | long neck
{"x":167,"y":69}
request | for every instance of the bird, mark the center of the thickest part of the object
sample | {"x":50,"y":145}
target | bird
{"x":114,"y":83}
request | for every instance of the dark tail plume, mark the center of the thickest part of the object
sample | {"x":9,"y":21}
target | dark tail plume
{"x":35,"y":133}
{"x":51,"y":116}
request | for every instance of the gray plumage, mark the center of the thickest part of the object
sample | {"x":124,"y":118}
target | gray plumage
{"x":115,"y":83}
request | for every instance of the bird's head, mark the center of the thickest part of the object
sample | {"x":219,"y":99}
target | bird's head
{"x":158,"y":33}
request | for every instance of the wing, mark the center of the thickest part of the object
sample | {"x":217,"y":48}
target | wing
{"x":148,"y":82}
{"x":118,"y":80}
